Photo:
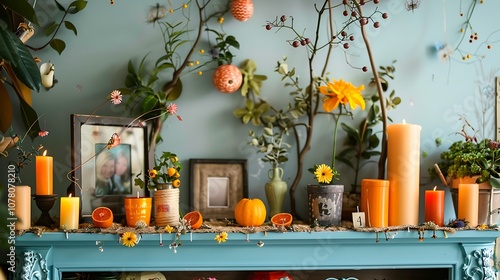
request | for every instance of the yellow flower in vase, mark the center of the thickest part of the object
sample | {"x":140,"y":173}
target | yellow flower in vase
{"x":324,"y":173}
{"x":337,"y":95}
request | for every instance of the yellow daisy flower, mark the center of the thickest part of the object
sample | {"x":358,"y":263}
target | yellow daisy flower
{"x":129,"y":239}
{"x":482,"y":227}
{"x":185,"y":6}
{"x":324,"y":173}
{"x":222,"y":237}
{"x":169,"y":229}
{"x":220,"y":20}
{"x":202,"y":51}
{"x":200,"y":73}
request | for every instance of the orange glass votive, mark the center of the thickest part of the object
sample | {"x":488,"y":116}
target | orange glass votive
{"x":138,"y":209}
{"x":375,"y":202}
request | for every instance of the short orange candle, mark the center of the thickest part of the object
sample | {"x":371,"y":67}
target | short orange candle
{"x":69,"y":213}
{"x":23,"y":207}
{"x":434,"y":207}
{"x":375,"y":202}
{"x":44,"y":174}
{"x":468,"y":203}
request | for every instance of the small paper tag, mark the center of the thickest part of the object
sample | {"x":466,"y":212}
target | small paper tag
{"x":358,"y":219}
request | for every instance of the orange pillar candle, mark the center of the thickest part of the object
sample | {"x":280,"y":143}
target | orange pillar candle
{"x":69,"y":212}
{"x":468,"y":203}
{"x":403,"y":171}
{"x":44,"y":174}
{"x":375,"y":202}
{"x":434,"y":207}
{"x":23,"y":207}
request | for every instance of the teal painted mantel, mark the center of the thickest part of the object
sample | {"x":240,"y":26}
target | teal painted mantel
{"x":467,"y":254}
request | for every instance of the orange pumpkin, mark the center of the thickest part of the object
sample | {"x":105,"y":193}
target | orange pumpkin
{"x":242,"y":10}
{"x":250,"y":212}
{"x":227,"y":78}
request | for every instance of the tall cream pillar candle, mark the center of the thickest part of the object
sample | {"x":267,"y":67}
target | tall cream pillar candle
{"x":23,"y":207}
{"x":403,"y":171}
{"x":468,"y":203}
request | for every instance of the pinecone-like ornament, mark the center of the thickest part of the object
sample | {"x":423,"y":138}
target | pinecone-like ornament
{"x":242,"y":10}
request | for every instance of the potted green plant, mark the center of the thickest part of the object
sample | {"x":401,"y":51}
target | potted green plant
{"x":164,"y":178}
{"x":275,"y":151}
{"x":472,"y":161}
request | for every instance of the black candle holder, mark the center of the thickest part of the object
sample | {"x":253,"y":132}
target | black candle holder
{"x":45,"y":203}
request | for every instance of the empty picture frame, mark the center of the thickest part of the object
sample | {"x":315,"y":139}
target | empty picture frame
{"x":217,"y":185}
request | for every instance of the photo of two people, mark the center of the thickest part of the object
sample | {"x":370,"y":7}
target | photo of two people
{"x":113,"y":170}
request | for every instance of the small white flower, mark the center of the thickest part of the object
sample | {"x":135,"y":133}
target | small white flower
{"x":283,"y":68}
{"x":444,"y":52}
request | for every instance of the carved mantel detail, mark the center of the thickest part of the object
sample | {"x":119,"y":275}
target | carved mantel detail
{"x":34,"y":267}
{"x":479,"y":264}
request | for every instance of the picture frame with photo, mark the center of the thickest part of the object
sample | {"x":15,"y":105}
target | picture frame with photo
{"x":104,"y":175}
{"x":217,"y":185}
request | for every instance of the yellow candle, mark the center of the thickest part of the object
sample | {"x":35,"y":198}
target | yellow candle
{"x":69,"y":214}
{"x":468,"y":203}
{"x":403,"y":172}
{"x":44,"y":174}
{"x":375,"y":202}
{"x":23,"y":207}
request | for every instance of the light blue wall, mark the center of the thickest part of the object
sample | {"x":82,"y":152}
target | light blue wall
{"x":434,"y":92}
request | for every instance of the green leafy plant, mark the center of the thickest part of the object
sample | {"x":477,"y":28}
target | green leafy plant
{"x":18,"y":68}
{"x":166,"y":170}
{"x":271,"y":144}
{"x":471,"y":157}
{"x":149,"y":89}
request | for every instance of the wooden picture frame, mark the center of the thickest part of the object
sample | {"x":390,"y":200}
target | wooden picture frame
{"x":217,"y":185}
{"x":89,"y":144}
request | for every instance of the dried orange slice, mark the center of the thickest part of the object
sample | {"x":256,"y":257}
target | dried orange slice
{"x":194,"y":219}
{"x":102,"y":217}
{"x":282,"y":219}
